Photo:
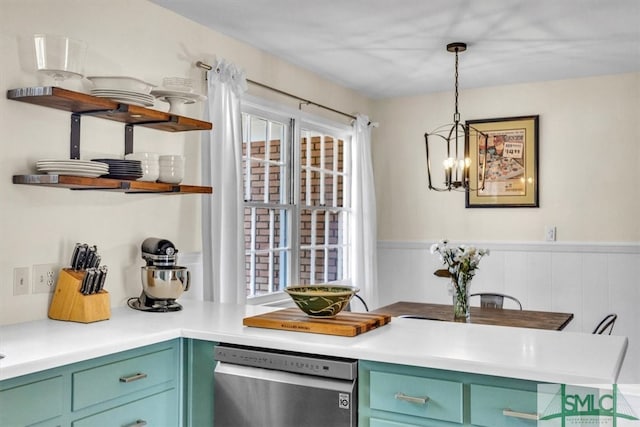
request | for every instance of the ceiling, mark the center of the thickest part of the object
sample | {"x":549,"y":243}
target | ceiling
{"x":389,"y":48}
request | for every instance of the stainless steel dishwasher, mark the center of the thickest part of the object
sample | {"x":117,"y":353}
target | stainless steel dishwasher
{"x":268,"y":388}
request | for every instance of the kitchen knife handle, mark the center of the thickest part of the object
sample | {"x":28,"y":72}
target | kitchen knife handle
{"x":137,"y":423}
{"x":74,"y":255}
{"x":134,"y":377}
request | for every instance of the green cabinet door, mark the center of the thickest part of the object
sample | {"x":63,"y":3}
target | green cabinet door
{"x":31,"y":402}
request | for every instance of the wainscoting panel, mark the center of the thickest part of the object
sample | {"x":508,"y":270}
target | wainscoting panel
{"x":589,"y":280}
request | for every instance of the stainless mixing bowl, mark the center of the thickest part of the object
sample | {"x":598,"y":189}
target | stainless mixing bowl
{"x":165,"y":283}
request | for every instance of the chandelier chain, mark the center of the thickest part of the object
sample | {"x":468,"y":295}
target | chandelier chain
{"x":456,"y":115}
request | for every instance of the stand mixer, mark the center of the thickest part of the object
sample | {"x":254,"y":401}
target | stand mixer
{"x":162,"y":280}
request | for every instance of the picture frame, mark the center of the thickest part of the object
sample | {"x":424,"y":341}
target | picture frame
{"x":503,"y":169}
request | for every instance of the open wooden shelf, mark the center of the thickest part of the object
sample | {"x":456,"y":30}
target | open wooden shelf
{"x":84,"y":104}
{"x":117,"y":185}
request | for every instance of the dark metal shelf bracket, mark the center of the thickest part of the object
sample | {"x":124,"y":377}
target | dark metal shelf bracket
{"x":128,"y":139}
{"x":74,"y":145}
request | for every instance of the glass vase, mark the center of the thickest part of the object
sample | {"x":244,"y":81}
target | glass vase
{"x":461,"y":312}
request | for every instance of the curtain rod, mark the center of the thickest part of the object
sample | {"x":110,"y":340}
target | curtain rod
{"x":201,"y":64}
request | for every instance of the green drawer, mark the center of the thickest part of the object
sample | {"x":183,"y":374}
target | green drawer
{"x":375,"y":422}
{"x":416,"y":396}
{"x":502,"y":407}
{"x":31,"y":403}
{"x":123,"y":377}
{"x":155,"y":410}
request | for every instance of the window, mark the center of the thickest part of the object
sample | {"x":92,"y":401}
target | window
{"x":296,"y":192}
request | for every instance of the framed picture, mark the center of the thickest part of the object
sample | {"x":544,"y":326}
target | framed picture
{"x":503,"y":170}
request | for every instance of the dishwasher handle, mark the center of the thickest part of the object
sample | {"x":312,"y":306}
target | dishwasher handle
{"x":261,"y":374}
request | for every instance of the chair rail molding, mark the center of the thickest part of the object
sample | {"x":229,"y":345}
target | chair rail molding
{"x":592,"y":247}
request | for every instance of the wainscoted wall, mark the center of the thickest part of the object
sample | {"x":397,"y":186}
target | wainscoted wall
{"x":588,"y":280}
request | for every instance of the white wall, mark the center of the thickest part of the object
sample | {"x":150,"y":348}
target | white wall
{"x":589,"y":178}
{"x":125,"y":37}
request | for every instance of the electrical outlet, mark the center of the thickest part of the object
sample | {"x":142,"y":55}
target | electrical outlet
{"x":550,"y":233}
{"x":44,"y":278}
{"x":20,"y":281}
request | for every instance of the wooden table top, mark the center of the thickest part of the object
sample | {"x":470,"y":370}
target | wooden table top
{"x":481,"y":315}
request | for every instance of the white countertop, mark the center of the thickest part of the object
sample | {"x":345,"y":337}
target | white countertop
{"x":532,"y":354}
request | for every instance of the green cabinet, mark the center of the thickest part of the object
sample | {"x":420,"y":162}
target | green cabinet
{"x":396,"y":395}
{"x":129,"y":388}
{"x":31,"y":400}
{"x":171,"y":384}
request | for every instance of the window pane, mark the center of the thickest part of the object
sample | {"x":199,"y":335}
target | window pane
{"x":328,"y":153}
{"x":329,"y":188}
{"x":339,"y":202}
{"x":320,"y":227}
{"x":310,"y":151}
{"x":263,"y":230}
{"x":305,"y":267}
{"x":335,"y":226}
{"x":262,"y":274}
{"x":277,"y":189}
{"x":333,"y":265}
{"x":318,"y":266}
{"x":257,"y":136}
{"x":276,"y":140}
{"x":310,"y":188}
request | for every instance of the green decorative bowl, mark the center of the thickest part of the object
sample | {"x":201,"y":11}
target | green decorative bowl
{"x":321,"y":300}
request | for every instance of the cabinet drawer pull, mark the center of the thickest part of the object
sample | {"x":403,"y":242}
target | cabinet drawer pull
{"x":132,"y":378}
{"x":138,"y":423}
{"x":412,"y":399}
{"x":524,"y":415}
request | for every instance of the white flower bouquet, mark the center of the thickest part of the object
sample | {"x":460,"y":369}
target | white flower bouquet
{"x":462,"y":262}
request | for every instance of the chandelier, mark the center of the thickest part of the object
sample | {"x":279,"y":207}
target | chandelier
{"x":450,"y":144}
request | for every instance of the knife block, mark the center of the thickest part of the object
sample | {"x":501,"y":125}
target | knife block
{"x":70,"y":304}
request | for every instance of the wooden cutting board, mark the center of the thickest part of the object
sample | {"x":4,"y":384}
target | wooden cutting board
{"x":346,"y":324}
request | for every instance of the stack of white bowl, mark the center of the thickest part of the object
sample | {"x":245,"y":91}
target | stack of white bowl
{"x":149,"y":163}
{"x":171,"y":169}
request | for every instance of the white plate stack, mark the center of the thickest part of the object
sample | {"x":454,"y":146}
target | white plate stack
{"x":171,"y":169}
{"x":73,"y":167}
{"x":128,"y":90}
{"x":149,"y":163}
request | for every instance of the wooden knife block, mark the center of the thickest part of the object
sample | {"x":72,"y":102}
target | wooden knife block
{"x":70,"y":304}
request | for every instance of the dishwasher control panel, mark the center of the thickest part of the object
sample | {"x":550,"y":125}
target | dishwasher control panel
{"x":300,"y":363}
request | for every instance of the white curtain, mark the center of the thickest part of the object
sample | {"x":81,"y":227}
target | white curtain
{"x":222,"y":216}
{"x":363,"y":201}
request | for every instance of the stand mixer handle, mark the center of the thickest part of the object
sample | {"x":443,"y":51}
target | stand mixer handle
{"x":186,"y":286}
